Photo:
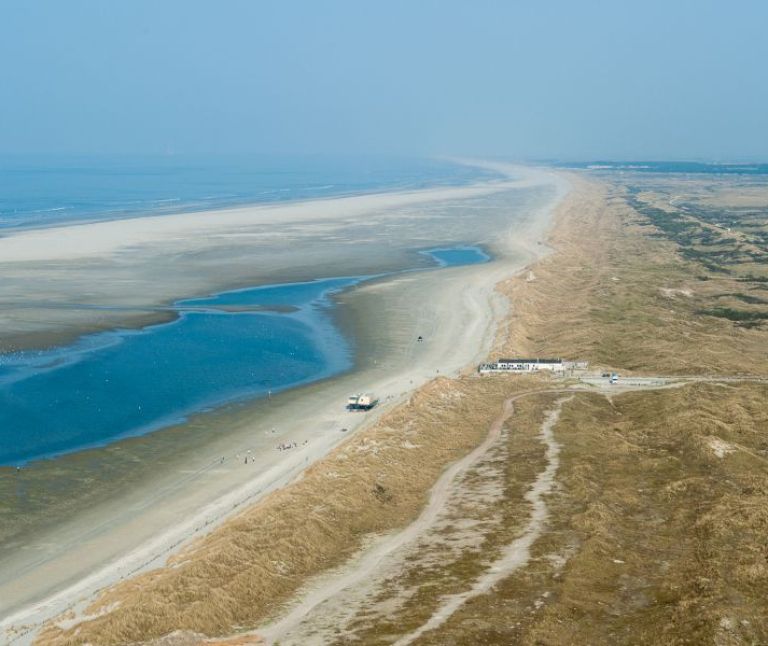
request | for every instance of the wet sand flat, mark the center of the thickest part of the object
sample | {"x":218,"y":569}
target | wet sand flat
{"x":60,"y":282}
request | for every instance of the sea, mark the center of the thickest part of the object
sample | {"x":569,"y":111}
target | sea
{"x":682,"y":167}
{"x":229,"y":347}
{"x":41,"y":191}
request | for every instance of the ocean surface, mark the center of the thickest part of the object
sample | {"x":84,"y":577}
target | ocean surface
{"x":38,"y":191}
{"x":692,"y":167}
{"x":221,"y":349}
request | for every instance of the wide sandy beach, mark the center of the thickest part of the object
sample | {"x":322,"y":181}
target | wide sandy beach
{"x":179,"y":487}
{"x":131,"y":269}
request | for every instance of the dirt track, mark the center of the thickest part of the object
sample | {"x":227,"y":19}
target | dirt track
{"x":516,"y":554}
{"x":440,"y":493}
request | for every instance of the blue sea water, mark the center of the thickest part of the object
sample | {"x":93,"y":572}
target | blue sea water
{"x":458,"y":256}
{"x":228,"y":347}
{"x":42,"y":191}
{"x":686,"y":167}
{"x":220,"y":349}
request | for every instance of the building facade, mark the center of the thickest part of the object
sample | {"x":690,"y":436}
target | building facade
{"x":523,"y":365}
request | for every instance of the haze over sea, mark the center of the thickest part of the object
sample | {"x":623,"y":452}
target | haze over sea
{"x":40,"y":191}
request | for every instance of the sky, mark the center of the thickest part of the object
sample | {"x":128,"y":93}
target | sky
{"x":586,"y":79}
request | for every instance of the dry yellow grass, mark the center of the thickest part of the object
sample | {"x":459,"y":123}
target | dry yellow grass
{"x":414,"y":587}
{"x":658,"y":533}
{"x":188,"y":638}
{"x":654,"y":538}
{"x":246,"y":569}
{"x":619,"y":298}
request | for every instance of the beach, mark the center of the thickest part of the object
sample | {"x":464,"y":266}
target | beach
{"x":383,"y":324}
{"x":131,"y":269}
{"x":179,"y":488}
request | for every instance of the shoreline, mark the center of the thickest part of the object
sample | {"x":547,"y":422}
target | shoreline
{"x":51,"y":290}
{"x":200,"y":205}
{"x":319,"y":315}
{"x":476,"y":288}
{"x":66,"y":242}
{"x":188,"y":209}
{"x":314,"y":320}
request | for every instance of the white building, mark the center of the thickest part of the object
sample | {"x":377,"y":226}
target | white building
{"x":523,"y":365}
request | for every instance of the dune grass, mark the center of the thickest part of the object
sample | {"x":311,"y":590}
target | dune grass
{"x":244,"y":571}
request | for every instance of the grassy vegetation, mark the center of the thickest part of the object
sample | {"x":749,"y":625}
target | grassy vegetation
{"x":245,"y":570}
{"x":701,"y":237}
{"x":735,"y":315}
{"x":654,"y":539}
{"x":752,"y":279}
{"x":733,"y":249}
{"x":626,"y":297}
{"x":749,"y":298}
{"x":437,"y":568}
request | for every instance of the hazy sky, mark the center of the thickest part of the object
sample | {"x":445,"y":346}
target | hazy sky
{"x":525,"y":79}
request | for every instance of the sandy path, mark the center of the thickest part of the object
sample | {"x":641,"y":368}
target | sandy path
{"x":439,"y":495}
{"x":517,"y":553}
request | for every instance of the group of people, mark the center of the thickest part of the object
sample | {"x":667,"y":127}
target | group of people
{"x":284,"y":446}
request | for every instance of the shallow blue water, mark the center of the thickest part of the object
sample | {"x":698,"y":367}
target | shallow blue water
{"x":43,"y":191}
{"x":131,"y":382}
{"x":707,"y":168}
{"x":220,"y":349}
{"x":454,"y":256}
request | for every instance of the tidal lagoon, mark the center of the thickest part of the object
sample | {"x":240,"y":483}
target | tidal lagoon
{"x":233,"y":346}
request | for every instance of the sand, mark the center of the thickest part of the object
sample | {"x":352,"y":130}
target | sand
{"x":53,"y":278}
{"x":455,"y":309}
{"x":83,"y":241}
{"x":373,"y":560}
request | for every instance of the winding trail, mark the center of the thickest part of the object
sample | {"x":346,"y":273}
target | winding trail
{"x":517,"y":553}
{"x":440,"y":493}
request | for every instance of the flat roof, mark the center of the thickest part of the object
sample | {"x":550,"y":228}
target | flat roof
{"x":529,"y":361}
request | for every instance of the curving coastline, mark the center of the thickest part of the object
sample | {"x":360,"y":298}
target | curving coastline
{"x":452,"y":304}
